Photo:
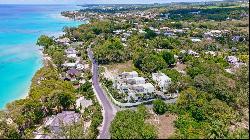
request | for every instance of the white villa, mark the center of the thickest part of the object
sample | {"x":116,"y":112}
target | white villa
{"x":130,"y":83}
{"x":129,"y":74}
{"x":162,"y":80}
{"x":64,"y":41}
{"x":135,"y":80}
{"x":144,"y":88}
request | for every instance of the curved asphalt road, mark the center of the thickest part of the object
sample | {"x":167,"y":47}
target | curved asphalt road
{"x":108,"y":110}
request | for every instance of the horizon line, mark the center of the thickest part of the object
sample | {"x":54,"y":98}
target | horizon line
{"x":112,"y":3}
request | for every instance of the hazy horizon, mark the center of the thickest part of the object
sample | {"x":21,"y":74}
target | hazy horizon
{"x":35,"y":2}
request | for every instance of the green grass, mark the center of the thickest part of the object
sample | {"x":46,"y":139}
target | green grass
{"x":213,"y":7}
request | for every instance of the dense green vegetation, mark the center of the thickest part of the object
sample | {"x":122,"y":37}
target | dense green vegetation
{"x":213,"y":101}
{"x":45,"y":41}
{"x":159,"y":107}
{"x":217,"y":14}
{"x":130,"y":124}
{"x":111,"y":51}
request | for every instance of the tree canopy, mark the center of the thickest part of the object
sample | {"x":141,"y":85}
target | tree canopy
{"x":130,"y":124}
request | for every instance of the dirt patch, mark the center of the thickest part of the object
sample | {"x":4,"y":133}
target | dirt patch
{"x":115,"y":69}
{"x":180,"y":67}
{"x":164,"y":124}
{"x":121,"y":67}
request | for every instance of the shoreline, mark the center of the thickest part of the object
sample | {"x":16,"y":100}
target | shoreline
{"x":26,"y":91}
{"x":42,"y":60}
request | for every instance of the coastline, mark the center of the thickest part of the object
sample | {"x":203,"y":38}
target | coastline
{"x":40,"y":53}
{"x":42,"y":60}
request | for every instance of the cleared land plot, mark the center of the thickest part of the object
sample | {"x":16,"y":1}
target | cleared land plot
{"x":115,"y":69}
{"x":164,"y":124}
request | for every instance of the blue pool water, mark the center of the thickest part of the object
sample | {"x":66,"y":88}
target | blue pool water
{"x":20,"y":26}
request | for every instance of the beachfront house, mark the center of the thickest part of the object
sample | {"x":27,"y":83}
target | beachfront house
{"x":63,"y":41}
{"x":162,"y":80}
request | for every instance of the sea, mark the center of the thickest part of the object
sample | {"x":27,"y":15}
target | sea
{"x":20,"y":58}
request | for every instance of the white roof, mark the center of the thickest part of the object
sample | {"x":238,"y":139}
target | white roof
{"x":146,"y":85}
{"x":192,"y":52}
{"x":215,"y":31}
{"x":63,"y":40}
{"x":83,"y":102}
{"x":80,"y":65}
{"x":132,"y":72}
{"x":161,"y":76}
{"x":69,"y":64}
{"x":138,"y":78}
{"x":232,"y":58}
{"x":195,"y":39}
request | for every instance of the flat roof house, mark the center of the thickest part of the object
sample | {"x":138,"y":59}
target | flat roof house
{"x":144,"y":88}
{"x":129,"y":74}
{"x":135,"y":80}
{"x":71,"y":65}
{"x":162,"y":80}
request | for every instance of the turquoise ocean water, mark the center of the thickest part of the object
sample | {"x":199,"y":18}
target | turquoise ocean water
{"x":20,"y":26}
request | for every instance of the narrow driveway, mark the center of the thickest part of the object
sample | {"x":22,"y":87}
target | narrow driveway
{"x":107,"y":107}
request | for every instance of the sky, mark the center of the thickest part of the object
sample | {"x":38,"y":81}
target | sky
{"x":92,"y":1}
